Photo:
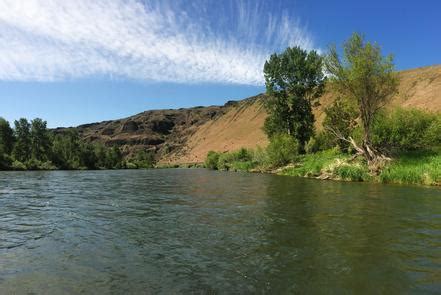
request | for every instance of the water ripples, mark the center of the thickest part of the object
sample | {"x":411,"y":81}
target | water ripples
{"x":184,"y":231}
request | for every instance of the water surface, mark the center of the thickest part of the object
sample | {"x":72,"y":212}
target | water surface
{"x":198,"y":231}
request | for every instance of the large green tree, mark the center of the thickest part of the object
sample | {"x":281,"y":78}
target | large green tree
{"x":6,"y":137}
{"x":22,"y":148}
{"x":294,"y":81}
{"x":40,"y":142}
{"x":367,"y":78}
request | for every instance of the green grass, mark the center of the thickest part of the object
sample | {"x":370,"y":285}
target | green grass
{"x":409,"y":168}
{"x":312,"y":164}
{"x":355,"y":172}
{"x":414,"y":168}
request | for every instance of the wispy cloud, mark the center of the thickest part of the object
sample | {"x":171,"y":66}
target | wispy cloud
{"x":153,"y":40}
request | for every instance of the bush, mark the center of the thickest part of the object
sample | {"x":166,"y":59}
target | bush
{"x":320,"y":142}
{"x":405,"y":130}
{"x":211,"y":162}
{"x":238,"y":160}
{"x":432,"y":136}
{"x":48,"y":165}
{"x":282,"y":149}
{"x":131,"y":165}
{"x":19,"y":166}
{"x":5,"y":161}
{"x":144,"y":159}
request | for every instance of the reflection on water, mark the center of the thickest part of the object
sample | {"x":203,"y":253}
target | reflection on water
{"x":183,"y":231}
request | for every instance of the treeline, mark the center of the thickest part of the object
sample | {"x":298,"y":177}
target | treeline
{"x":360,"y":138}
{"x":32,"y":146}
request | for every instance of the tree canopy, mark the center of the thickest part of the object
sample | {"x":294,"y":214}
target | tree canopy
{"x":294,"y":81}
{"x":367,"y":78}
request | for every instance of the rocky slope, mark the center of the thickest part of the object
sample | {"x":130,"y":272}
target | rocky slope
{"x":186,"y":135}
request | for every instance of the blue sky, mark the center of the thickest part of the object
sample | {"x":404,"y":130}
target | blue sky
{"x":73,"y":62}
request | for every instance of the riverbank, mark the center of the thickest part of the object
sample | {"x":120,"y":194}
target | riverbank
{"x":420,"y":168}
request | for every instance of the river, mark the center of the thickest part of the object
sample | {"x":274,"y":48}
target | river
{"x":196,"y":231}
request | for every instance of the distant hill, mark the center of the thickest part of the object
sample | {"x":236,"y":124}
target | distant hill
{"x":186,"y":135}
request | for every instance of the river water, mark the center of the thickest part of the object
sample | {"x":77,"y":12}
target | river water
{"x":196,"y":231}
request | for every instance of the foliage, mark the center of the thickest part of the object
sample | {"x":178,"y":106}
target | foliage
{"x":367,"y":79}
{"x":432,"y":136}
{"x":5,"y":159}
{"x":354,"y":172}
{"x":310,"y":165}
{"x":34,"y":147}
{"x":282,"y":149}
{"x":339,"y":122}
{"x":22,"y":148}
{"x":212,"y":160}
{"x":237,"y":160}
{"x":414,"y":168}
{"x":6,"y":137}
{"x":294,"y":80}
{"x":320,"y":142}
{"x":40,"y":143}
{"x":406,"y":130}
{"x":144,"y":159}
{"x":18,"y":166}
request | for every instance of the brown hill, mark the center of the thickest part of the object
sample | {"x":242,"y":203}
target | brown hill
{"x":186,"y":135}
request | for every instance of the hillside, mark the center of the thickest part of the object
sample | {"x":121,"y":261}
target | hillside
{"x":186,"y":135}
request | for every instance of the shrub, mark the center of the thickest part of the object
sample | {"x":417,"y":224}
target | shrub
{"x":404,"y":130}
{"x":48,"y":165}
{"x":5,"y":161}
{"x":282,"y":150}
{"x":230,"y":161}
{"x":211,"y":162}
{"x":131,"y":165}
{"x":17,"y":165}
{"x":144,"y":159}
{"x":432,"y":136}
{"x":320,"y":142}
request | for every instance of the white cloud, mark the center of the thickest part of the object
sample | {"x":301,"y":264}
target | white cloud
{"x":172,"y":41}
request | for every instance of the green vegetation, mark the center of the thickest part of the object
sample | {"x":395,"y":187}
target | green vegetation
{"x":360,"y":140}
{"x":368,"y":80}
{"x":414,"y":168}
{"x":406,"y":130}
{"x":32,"y":146}
{"x":281,"y":150}
{"x":294,"y":80}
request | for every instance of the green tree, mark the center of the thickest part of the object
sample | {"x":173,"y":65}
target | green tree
{"x":366,"y":78}
{"x":294,"y":81}
{"x":22,"y":148}
{"x":87,"y":156}
{"x":114,"y":158}
{"x":40,"y":142}
{"x":340,"y":121}
{"x":144,"y":159}
{"x":101,"y":155}
{"x":212,"y":160}
{"x":65,"y":150}
{"x":6,"y":137}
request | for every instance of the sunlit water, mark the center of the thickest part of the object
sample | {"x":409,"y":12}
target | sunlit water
{"x":198,"y":231}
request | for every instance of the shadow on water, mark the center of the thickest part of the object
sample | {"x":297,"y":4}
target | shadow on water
{"x":198,"y":231}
